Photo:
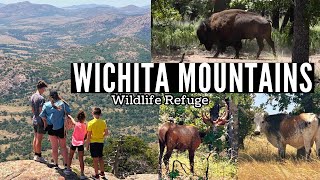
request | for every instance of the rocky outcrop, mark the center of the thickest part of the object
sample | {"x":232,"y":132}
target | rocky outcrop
{"x":29,"y":169}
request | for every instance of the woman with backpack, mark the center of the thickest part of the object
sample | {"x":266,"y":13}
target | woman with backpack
{"x":54,"y":113}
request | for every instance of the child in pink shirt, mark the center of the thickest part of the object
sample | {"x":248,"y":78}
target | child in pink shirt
{"x":78,"y":138}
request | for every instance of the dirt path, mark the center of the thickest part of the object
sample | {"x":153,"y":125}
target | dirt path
{"x":206,"y":57}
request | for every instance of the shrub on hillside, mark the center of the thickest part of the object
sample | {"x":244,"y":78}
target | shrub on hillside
{"x":134,"y":156}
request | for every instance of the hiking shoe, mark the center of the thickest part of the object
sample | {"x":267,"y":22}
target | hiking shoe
{"x":67,"y":171}
{"x":83,"y":176}
{"x":35,"y":157}
{"x":102,"y":175}
{"x":55,"y":166}
{"x":96,"y":177}
{"x":40,"y":159}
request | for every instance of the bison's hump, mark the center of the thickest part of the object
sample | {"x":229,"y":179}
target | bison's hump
{"x":233,"y":16}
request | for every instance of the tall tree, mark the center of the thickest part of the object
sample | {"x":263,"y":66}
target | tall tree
{"x":234,"y":131}
{"x":300,"y":51}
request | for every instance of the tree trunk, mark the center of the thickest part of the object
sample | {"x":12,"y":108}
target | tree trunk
{"x":233,"y":131}
{"x":300,"y":51}
{"x":275,"y":18}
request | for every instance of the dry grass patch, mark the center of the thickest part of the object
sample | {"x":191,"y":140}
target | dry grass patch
{"x":14,"y":109}
{"x":259,"y":160}
{"x":3,"y":147}
{"x":5,"y":134}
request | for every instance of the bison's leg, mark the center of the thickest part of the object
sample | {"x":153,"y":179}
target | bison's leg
{"x":261,"y":45}
{"x":271,"y":44}
{"x":217,"y":53}
{"x":167,"y":157}
{"x":237,"y":47}
{"x":191,"y":160}
{"x":162,"y":146}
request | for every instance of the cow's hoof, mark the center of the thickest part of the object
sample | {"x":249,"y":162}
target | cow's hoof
{"x":236,"y":57}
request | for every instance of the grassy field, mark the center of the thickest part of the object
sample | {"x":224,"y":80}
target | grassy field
{"x":219,"y":168}
{"x":259,"y":160}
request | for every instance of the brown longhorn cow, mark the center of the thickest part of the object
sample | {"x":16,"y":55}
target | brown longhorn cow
{"x":182,"y":138}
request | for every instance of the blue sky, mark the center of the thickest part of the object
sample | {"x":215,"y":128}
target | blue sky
{"x":63,"y":3}
{"x":262,"y":98}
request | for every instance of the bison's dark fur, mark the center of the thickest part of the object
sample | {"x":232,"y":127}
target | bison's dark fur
{"x":229,"y":27}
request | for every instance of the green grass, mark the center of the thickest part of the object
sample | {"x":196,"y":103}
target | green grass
{"x":182,"y":35}
{"x":219,"y":167}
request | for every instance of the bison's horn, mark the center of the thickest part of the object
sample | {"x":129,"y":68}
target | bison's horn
{"x":205,"y":26}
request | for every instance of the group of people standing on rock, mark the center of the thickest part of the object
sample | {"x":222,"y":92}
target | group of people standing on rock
{"x":49,"y":117}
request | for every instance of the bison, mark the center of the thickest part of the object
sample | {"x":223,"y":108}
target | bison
{"x":299,"y":131}
{"x":229,"y":27}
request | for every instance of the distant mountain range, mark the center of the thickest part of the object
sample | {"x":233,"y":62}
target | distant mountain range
{"x":27,"y":29}
{"x":84,"y":6}
{"x":26,"y":10}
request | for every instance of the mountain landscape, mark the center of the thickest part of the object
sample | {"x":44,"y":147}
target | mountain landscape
{"x":27,"y":29}
{"x":39,"y":41}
